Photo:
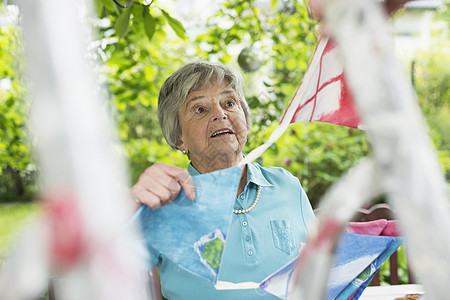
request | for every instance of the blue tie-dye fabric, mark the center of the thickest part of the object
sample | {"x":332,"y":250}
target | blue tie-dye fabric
{"x":358,"y":284}
{"x":357,"y":257}
{"x":356,"y":260}
{"x":185,"y":231}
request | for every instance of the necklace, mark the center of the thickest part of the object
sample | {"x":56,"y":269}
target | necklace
{"x":243,"y":211}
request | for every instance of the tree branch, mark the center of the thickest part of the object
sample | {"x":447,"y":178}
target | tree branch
{"x":123,"y":5}
{"x":131,"y":2}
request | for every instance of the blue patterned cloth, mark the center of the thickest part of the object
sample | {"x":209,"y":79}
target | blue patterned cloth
{"x":190,"y":233}
{"x":358,"y":258}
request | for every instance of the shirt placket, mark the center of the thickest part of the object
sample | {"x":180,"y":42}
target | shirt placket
{"x":246,"y":232}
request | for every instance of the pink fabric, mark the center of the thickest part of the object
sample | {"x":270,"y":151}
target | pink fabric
{"x":378,"y":227}
{"x":370,"y":228}
{"x":391,"y":229}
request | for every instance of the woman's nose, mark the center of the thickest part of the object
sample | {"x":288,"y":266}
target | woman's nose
{"x":219,"y":114}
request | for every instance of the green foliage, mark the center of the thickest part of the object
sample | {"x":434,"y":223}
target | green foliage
{"x":432,"y":81}
{"x":17,"y":180}
{"x":174,"y":24}
{"x":122,"y":22}
{"x":12,"y":217}
{"x":402,"y":268}
{"x":316,"y":153}
{"x":135,"y":66}
{"x":144,"y":152}
{"x":149,"y":24}
{"x":284,"y":34}
{"x":135,"y":14}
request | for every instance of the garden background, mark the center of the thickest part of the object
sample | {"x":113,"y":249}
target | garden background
{"x":137,"y":47}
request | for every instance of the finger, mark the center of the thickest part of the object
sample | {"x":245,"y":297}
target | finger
{"x":144,"y":196}
{"x":169,"y":200}
{"x":161,"y":184}
{"x":173,"y":186}
{"x":187,"y":183}
{"x":165,"y":175}
{"x":182,"y":177}
{"x":162,"y":192}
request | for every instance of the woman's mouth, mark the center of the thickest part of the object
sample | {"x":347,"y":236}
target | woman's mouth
{"x":221,"y":132}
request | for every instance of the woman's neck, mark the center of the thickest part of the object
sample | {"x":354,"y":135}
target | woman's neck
{"x":208,"y":165}
{"x":203,"y":167}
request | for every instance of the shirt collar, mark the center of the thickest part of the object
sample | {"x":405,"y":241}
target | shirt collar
{"x":192,"y":171}
{"x":254,"y":174}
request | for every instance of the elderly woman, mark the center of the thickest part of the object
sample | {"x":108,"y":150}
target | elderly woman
{"x":203,"y":113}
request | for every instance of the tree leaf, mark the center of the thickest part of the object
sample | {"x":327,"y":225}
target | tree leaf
{"x":273,"y":4}
{"x":175,"y":24}
{"x":123,"y":21}
{"x":149,"y":23}
{"x":138,"y":13}
{"x":98,"y":7}
{"x":109,"y":4}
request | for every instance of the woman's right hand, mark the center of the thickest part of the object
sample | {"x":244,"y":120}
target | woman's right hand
{"x":160,"y":184}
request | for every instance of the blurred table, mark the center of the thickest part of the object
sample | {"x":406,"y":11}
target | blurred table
{"x":390,"y":292}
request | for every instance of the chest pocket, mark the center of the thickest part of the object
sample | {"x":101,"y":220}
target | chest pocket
{"x":283,"y":236}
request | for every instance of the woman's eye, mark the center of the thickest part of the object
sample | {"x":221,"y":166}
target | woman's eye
{"x":199,"y":109}
{"x":230,"y":103}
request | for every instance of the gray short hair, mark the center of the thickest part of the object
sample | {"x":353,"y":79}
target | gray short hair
{"x":193,"y":76}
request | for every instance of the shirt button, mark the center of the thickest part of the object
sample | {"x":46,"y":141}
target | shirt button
{"x":250,"y":252}
{"x":244,"y":223}
{"x":247,"y":238}
{"x":241,"y":196}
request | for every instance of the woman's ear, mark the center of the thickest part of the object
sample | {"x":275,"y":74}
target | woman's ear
{"x":180,"y":147}
{"x":179,"y":144}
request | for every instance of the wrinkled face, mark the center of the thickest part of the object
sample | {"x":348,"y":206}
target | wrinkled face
{"x":213,"y":125}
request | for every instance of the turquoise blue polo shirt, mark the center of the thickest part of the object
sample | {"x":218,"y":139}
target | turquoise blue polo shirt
{"x":259,"y":242}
